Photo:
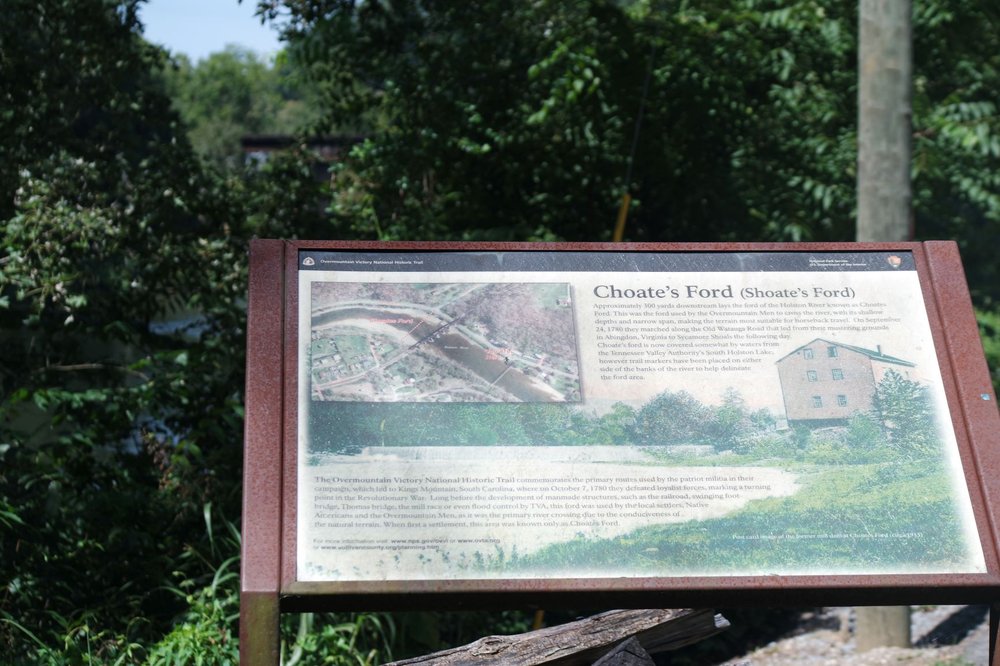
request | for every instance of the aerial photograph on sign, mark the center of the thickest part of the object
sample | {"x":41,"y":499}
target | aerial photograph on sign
{"x":444,"y":342}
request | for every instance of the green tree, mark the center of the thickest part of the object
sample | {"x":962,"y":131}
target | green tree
{"x":120,"y":288}
{"x":672,"y":418}
{"x":491,"y":121}
{"x":864,"y":435}
{"x":235,"y":93}
{"x":487,"y":120}
{"x":62,"y":89}
{"x":730,"y":421}
{"x":616,"y":427}
{"x":905,"y":409}
{"x":956,"y":133}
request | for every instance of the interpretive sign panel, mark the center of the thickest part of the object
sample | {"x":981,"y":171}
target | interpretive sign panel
{"x":471,"y":414}
{"x":461,"y":425}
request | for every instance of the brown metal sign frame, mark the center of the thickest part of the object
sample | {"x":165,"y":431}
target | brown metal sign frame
{"x":269,"y":583}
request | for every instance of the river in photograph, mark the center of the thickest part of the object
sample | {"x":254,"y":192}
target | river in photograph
{"x":454,"y":346}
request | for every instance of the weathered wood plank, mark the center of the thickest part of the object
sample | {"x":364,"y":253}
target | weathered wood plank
{"x":629,"y":653}
{"x":582,"y":642}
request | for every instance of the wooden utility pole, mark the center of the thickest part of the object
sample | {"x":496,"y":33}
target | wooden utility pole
{"x":885,"y":75}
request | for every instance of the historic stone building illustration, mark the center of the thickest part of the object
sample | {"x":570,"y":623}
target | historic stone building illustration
{"x":824,"y":383}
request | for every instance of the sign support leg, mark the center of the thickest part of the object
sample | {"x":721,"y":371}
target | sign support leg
{"x":994,"y":634}
{"x":259,"y":642}
{"x":260,"y":566}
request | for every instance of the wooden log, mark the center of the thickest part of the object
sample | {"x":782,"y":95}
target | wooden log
{"x":582,"y":642}
{"x":629,"y":653}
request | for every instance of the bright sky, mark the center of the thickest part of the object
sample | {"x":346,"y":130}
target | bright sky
{"x":198,"y":28}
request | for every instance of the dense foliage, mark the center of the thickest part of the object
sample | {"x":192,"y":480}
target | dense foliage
{"x":491,"y":121}
{"x":121,"y":282}
{"x":123,"y":279}
{"x":235,"y":93}
{"x":125,"y":219}
{"x":669,"y":418}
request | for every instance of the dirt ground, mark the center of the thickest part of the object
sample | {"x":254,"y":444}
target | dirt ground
{"x":942,"y":636}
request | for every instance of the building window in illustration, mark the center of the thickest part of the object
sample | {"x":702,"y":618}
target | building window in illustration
{"x":842,"y":400}
{"x":807,"y":353}
{"x":811,"y":375}
{"x":817,"y":401}
{"x":837,"y":373}
{"x":831,"y":351}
